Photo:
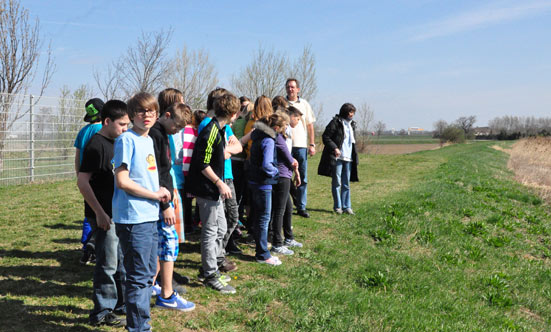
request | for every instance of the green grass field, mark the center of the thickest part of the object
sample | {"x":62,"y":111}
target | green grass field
{"x":443,"y":240}
{"x":412,"y":139}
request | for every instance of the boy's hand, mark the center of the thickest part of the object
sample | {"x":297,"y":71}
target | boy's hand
{"x":224,"y":190}
{"x":233,"y":140}
{"x":337,"y":152}
{"x":163,"y":195}
{"x":169,"y":216}
{"x":103,"y":221}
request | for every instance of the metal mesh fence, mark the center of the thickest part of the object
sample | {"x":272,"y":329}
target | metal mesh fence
{"x":37,"y":137}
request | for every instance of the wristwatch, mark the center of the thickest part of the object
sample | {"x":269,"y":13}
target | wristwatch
{"x":313,"y":145}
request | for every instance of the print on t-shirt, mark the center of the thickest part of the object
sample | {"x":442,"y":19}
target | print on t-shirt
{"x":151,"y":161}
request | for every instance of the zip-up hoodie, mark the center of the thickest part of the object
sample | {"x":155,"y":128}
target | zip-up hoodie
{"x":263,"y":161}
{"x":208,"y":151}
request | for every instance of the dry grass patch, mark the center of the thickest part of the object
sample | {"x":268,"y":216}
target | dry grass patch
{"x":530,"y":159}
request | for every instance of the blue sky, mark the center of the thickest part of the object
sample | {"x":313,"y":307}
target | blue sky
{"x":413,"y":62}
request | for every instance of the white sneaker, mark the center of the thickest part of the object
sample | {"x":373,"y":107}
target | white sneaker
{"x":292,"y":243}
{"x":155,"y":290}
{"x":282,"y":250}
{"x":274,"y":261}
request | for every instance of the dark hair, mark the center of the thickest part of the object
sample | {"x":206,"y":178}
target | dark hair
{"x":168,"y":97}
{"x":345,"y":109}
{"x":142,"y":100}
{"x":290,"y":80}
{"x":198,"y":116}
{"x":180,"y":113}
{"x":243,"y":99}
{"x":225,"y":106}
{"x":114,"y":109}
{"x":213,"y":95}
{"x":279,"y":102}
{"x":291,"y":110}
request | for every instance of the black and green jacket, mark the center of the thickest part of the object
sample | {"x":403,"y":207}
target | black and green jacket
{"x":208,"y":151}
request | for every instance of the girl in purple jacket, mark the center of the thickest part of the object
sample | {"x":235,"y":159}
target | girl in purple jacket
{"x":282,"y":206}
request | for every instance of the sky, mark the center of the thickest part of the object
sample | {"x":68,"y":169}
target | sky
{"x":413,"y":62}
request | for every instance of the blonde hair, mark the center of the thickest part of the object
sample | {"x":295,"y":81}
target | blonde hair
{"x":280,"y":119}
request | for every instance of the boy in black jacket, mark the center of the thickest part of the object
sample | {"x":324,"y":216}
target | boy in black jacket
{"x":206,"y":176}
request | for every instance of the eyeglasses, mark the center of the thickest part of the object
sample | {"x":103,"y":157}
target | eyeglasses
{"x":143,"y":112}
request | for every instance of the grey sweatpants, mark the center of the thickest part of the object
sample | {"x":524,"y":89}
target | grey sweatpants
{"x":212,"y":233}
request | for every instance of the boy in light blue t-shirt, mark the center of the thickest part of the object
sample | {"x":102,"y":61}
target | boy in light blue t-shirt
{"x":136,"y":208}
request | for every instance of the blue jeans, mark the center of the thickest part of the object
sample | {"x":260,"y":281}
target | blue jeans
{"x":261,"y":210}
{"x":340,"y":185}
{"x":139,"y":247}
{"x":109,"y":274}
{"x":301,"y":155}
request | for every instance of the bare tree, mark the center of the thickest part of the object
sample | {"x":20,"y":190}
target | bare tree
{"x":109,"y":82}
{"x":365,"y":118}
{"x":69,"y":115}
{"x":263,"y":76}
{"x":142,"y":68}
{"x":20,"y":55}
{"x":304,"y":70}
{"x":380,"y":127}
{"x":192,"y":73}
{"x":439,"y":127}
{"x":318,"y":114}
{"x":466,"y":123}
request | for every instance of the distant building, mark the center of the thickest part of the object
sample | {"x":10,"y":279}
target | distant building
{"x":415,"y":131}
{"x":482,"y":131}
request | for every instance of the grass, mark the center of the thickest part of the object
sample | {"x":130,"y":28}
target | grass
{"x":442,"y":240}
{"x":405,"y":139}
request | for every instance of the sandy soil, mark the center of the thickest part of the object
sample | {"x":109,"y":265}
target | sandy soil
{"x":400,"y":148}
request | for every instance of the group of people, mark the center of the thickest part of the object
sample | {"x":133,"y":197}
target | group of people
{"x":241,"y":161}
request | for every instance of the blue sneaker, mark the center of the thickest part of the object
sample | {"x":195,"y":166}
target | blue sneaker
{"x":175,"y":302}
{"x":155,"y":290}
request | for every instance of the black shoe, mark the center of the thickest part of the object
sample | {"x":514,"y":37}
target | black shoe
{"x":182,"y":280}
{"x":85,"y":257}
{"x":178,"y":288}
{"x":234,"y":251}
{"x":110,"y":320}
{"x":303,"y":213}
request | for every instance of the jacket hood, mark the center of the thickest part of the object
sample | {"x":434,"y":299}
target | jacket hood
{"x":262,"y":128}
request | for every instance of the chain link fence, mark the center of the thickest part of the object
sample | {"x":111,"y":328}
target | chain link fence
{"x":37,"y":136}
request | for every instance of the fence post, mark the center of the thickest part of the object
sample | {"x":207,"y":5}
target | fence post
{"x":31,"y":140}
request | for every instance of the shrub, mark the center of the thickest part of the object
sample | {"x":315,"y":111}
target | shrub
{"x":453,"y":134}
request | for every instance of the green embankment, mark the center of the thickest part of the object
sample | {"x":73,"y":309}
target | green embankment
{"x":442,"y":240}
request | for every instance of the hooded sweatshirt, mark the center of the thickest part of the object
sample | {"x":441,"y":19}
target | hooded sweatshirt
{"x":263,"y":160}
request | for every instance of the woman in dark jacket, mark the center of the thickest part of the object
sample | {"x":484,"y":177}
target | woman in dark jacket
{"x":339,"y":158}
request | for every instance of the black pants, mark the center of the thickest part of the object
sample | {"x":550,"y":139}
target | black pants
{"x":282,"y":211}
{"x":240,"y":185}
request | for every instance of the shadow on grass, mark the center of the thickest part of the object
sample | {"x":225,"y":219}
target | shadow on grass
{"x":22,"y":317}
{"x":67,"y":240}
{"x":63,"y":226}
{"x":316,"y":210}
{"x":67,"y":270}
